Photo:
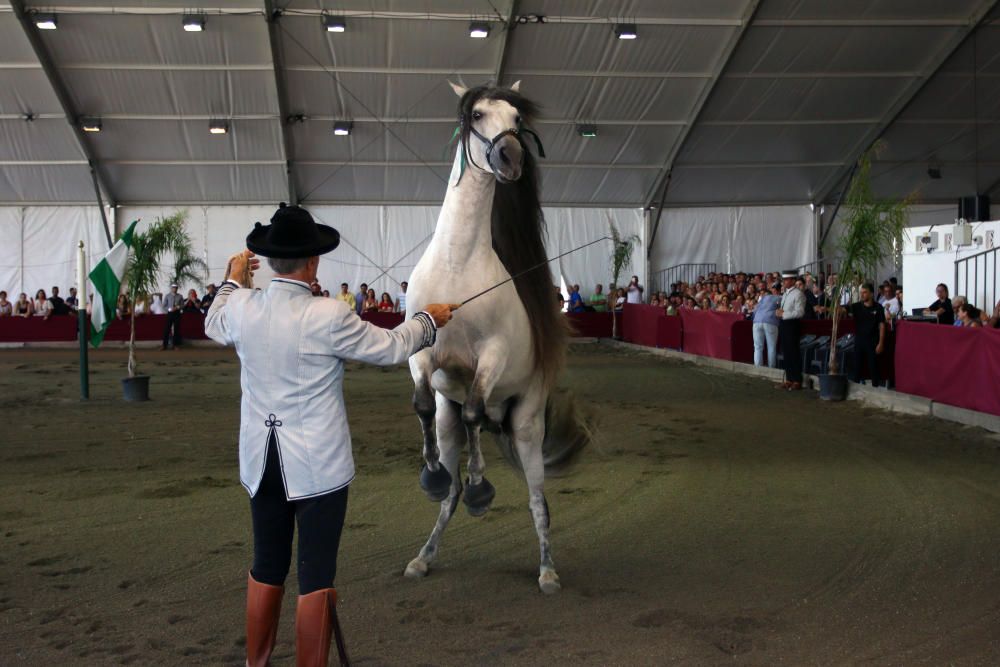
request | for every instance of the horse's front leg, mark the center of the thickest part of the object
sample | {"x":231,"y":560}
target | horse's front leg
{"x":435,"y":479}
{"x":479,"y":493}
{"x":528,"y":425}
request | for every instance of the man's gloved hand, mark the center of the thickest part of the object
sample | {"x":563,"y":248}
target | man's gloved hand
{"x":440,"y":312}
{"x":241,"y":268}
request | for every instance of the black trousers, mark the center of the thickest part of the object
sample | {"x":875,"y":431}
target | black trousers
{"x":789,"y":333}
{"x":320,"y":520}
{"x":864,"y":352}
{"x":173,"y":323}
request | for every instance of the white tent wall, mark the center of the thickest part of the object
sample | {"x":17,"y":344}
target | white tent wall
{"x":736,"y":238}
{"x":39,"y":248}
{"x":380,"y":245}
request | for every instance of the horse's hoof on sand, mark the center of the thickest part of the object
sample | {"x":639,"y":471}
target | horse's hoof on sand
{"x":417,"y":569}
{"x":435,"y":483}
{"x":478,"y":497}
{"x":549,"y":583}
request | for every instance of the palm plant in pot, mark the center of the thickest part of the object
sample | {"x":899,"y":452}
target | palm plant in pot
{"x":165,"y":235}
{"x":621,"y":256}
{"x":873,"y":231}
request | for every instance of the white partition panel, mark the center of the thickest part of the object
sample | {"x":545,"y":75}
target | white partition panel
{"x":10,"y":252}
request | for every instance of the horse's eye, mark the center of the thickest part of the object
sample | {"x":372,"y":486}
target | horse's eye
{"x":477,"y":115}
{"x":517,"y":120}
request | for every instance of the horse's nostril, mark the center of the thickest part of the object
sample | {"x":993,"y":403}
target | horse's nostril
{"x":504,"y":158}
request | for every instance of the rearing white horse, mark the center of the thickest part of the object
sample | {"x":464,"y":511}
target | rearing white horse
{"x":496,"y":363}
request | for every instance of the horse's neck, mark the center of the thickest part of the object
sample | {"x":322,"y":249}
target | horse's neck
{"x":462,"y":235}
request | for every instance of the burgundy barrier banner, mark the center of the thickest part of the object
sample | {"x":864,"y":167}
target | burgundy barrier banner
{"x":384,"y":320}
{"x":710,"y":334}
{"x":954,"y":365}
{"x":670,"y":332}
{"x":638,"y":323}
{"x":63,"y":328}
{"x":591,"y":325}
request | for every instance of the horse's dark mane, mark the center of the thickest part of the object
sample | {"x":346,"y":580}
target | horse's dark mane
{"x":518,"y":229}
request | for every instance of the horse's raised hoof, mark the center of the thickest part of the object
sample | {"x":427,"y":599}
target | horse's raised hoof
{"x":478,"y":497}
{"x":435,"y":483}
{"x":417,"y":569}
{"x":548,"y":582}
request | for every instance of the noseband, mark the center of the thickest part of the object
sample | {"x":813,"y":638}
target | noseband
{"x":490,"y":144}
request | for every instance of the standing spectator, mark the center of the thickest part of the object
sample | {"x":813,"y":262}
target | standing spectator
{"x":575,"y":300}
{"x":793,"y":308}
{"x":821,"y":302}
{"x":370,"y":302}
{"x":326,"y":294}
{"x":72,"y":302}
{"x":316,"y":288}
{"x":634,"y":290}
{"x":890,"y":302}
{"x":401,"y":298}
{"x":43,"y":307}
{"x":942,"y":308}
{"x":345,"y":295}
{"x":192,"y":304}
{"x":765,"y":330}
{"x":869,"y":334}
{"x":360,"y":298}
{"x":24,"y":307}
{"x":559,"y":299}
{"x":385,"y":305}
{"x":206,"y":301}
{"x":172,"y":303}
{"x":6,"y":307}
{"x":598,"y":300}
{"x":620,"y":299}
{"x":156,"y":304}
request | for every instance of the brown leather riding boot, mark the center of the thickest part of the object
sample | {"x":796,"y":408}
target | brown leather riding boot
{"x":313,"y":627}
{"x":263,"y":609}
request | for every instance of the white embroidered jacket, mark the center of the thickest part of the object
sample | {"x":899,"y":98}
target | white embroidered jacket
{"x":292,"y":348}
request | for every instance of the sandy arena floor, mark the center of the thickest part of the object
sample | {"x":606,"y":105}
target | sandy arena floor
{"x":717,"y":521}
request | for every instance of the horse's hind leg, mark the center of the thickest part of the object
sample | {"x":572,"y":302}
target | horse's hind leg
{"x":528,"y":424}
{"x":451,"y":436}
{"x":434,"y":479}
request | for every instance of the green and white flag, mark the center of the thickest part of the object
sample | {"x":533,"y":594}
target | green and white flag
{"x":107,"y":281}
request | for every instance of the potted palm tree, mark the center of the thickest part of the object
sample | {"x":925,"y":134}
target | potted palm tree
{"x":621,"y":256}
{"x":872,"y":232}
{"x":165,"y":235}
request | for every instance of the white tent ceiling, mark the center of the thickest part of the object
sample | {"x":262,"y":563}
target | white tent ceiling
{"x":741,"y":101}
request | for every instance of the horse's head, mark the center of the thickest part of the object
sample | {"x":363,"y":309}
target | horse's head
{"x":491,"y":122}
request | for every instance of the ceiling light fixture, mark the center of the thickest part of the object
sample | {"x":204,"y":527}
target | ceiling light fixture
{"x":45,"y":21}
{"x":587,"y":130}
{"x":334,"y":23}
{"x":342,"y":128}
{"x":90,"y":124}
{"x":479,"y":30}
{"x":626,"y":31}
{"x":194,"y":23}
{"x":218,"y":127}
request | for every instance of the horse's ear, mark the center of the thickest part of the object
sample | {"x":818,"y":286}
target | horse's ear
{"x":459,"y":89}
{"x":517,"y":86}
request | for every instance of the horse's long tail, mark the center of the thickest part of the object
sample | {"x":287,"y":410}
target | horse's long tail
{"x":567,"y":433}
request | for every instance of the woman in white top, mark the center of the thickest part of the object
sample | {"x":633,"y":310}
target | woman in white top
{"x":156,"y":304}
{"x":43,"y":307}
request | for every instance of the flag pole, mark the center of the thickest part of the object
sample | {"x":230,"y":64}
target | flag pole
{"x":81,"y":314}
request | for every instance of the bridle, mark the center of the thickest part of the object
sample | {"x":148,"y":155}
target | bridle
{"x":491,"y":144}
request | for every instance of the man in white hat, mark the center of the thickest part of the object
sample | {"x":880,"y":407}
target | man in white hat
{"x":172,"y":304}
{"x":790,"y":314}
{"x":295,"y":448}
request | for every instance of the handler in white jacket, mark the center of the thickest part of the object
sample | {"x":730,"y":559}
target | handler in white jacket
{"x":295,"y":446}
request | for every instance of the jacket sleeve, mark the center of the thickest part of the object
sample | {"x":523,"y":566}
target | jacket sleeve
{"x":354,"y":338}
{"x":218,"y":321}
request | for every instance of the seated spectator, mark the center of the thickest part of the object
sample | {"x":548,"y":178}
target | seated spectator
{"x":156,"y":306}
{"x":655,"y":299}
{"x":820,"y":301}
{"x":575,"y":300}
{"x":206,"y":301}
{"x":326,"y":293}
{"x":6,"y":307}
{"x":72,"y":301}
{"x":43,"y":307}
{"x":386,"y":305}
{"x":942,"y":308}
{"x":24,"y":307}
{"x":122,"y":309}
{"x":90,"y":304}
{"x":706,"y":304}
{"x":59,"y":306}
{"x":722,"y":305}
{"x":689,"y":303}
{"x":560,"y":300}
{"x":599,"y":300}
{"x":141,"y":305}
{"x":192,"y":304}
{"x":956,"y":304}
{"x":969,"y":316}
{"x":619,"y":300}
{"x":994,"y":321}
{"x":317,"y":290}
{"x":370,"y":304}
{"x":890,"y":302}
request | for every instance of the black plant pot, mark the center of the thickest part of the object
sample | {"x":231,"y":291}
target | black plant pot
{"x":833,"y":387}
{"x":136,"y":388}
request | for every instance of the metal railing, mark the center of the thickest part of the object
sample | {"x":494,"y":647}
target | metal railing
{"x":976,"y":278}
{"x":819,"y":266}
{"x":689,"y":273}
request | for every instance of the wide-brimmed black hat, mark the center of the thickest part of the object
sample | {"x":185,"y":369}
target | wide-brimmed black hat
{"x":292,"y":234}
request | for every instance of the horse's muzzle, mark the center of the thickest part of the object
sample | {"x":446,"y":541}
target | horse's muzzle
{"x":507,"y":159}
